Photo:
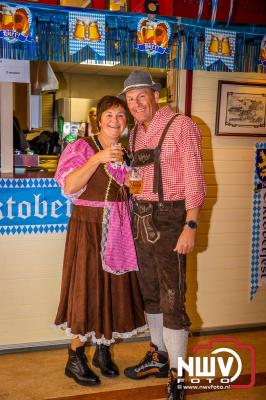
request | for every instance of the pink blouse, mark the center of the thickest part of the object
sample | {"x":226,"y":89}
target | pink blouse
{"x":117,"y":245}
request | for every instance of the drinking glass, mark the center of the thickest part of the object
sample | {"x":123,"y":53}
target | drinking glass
{"x":135,"y":181}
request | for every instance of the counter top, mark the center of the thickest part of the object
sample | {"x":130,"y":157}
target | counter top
{"x":28,"y":174}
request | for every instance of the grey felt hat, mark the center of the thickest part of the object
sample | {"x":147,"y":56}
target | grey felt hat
{"x":137,"y":80}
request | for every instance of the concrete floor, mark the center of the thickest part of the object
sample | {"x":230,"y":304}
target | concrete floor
{"x":40,"y":375}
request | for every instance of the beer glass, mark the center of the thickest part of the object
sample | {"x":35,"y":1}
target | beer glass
{"x":8,"y":18}
{"x":79,"y":33}
{"x":135,"y":181}
{"x":93,"y":32}
{"x":148,"y":32}
{"x":116,"y":146}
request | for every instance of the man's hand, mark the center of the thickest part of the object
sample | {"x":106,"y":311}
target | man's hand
{"x":186,"y":241}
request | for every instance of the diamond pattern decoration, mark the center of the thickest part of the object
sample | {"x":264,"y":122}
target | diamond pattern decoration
{"x":27,"y":191}
{"x":18,"y":229}
{"x":27,"y":182}
{"x":255,"y":242}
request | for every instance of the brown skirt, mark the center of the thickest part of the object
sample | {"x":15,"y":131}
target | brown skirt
{"x":95,"y":303}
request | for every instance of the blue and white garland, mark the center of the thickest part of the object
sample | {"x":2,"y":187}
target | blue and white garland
{"x":52,"y":40}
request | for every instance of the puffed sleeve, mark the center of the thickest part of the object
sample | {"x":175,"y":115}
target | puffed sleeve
{"x":73,"y":157}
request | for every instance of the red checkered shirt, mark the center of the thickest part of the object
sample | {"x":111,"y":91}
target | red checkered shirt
{"x":181,"y":162}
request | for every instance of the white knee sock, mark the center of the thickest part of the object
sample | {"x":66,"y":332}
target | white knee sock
{"x":176,"y":344}
{"x":155,"y":322}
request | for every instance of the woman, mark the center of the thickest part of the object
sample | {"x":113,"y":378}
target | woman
{"x":100,"y":297}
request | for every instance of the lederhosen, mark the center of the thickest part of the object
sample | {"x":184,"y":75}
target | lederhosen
{"x":157,"y":226}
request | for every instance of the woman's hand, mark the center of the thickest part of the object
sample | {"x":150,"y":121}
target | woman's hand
{"x":110,"y":154}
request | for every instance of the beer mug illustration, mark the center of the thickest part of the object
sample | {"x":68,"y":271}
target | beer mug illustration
{"x":148,"y":32}
{"x":262,"y":57}
{"x":22,"y":22}
{"x":161,"y":35}
{"x":79,"y":33}
{"x":214,"y":45}
{"x":226,"y":49}
{"x":263,"y":54}
{"x":93,"y":32}
{"x":8,"y":18}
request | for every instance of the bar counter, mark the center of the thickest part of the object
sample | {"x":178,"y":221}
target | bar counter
{"x":28,"y":174}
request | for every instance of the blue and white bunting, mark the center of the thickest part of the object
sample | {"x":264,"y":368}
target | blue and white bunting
{"x":258,"y":249}
{"x":220,"y":46}
{"x":86,"y":29}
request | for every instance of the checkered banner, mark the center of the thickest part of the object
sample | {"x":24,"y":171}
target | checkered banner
{"x":220,"y":46}
{"x":258,"y":256}
{"x":86,"y":29}
{"x":32,"y":206}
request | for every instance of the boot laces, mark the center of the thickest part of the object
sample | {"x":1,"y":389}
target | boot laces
{"x":147,"y":358}
{"x":150,"y":359}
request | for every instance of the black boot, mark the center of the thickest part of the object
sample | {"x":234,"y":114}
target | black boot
{"x":102,"y":359}
{"x":175,"y":390}
{"x":78,"y":369}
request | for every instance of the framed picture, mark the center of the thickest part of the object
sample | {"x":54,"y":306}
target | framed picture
{"x":77,"y":3}
{"x":118,"y":5}
{"x":53,"y":2}
{"x":241,"y":109}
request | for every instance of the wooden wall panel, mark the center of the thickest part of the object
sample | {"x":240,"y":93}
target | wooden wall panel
{"x":219,"y":269}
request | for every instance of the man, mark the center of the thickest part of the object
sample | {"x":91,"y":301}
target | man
{"x":166,"y":148}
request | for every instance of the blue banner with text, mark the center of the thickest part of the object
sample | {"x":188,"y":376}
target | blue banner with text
{"x":32,"y":205}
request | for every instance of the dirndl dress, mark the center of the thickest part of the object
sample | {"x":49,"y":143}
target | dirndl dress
{"x":100,"y":297}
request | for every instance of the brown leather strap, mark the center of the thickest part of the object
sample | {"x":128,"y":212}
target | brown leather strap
{"x":157,"y":177}
{"x":134,"y":138}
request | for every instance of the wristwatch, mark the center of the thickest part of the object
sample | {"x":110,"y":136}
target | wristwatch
{"x":191,"y":224}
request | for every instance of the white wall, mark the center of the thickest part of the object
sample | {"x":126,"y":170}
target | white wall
{"x":30,"y":273}
{"x":218,"y":272}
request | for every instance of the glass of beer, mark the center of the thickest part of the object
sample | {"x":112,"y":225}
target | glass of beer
{"x":116,"y":164}
{"x":135,"y":181}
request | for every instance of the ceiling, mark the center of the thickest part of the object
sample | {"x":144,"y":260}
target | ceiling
{"x":116,"y":70}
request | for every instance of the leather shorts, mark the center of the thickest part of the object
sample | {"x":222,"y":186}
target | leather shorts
{"x":143,"y":216}
{"x":162,"y":272}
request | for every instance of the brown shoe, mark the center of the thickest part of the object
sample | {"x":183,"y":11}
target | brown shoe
{"x":153,"y":364}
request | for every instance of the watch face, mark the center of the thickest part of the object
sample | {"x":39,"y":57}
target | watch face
{"x":192,"y":224}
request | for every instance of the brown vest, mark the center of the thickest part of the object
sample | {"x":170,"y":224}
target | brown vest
{"x":101,"y":182}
